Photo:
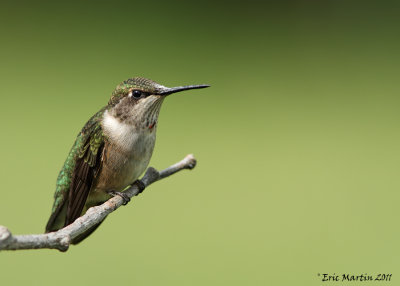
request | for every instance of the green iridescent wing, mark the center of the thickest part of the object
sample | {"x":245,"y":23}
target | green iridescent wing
{"x":76,"y":177}
{"x":87,"y":165}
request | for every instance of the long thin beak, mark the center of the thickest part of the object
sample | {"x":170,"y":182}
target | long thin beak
{"x":170,"y":90}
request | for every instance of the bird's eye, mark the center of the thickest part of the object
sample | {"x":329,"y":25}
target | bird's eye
{"x":136,"y":93}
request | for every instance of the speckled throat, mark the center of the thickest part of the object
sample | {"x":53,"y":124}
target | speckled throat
{"x":141,"y":114}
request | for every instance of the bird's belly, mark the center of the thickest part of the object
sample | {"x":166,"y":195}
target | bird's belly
{"x":122,"y":167}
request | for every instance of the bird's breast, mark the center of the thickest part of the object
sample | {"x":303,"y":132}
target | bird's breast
{"x":126,"y":155}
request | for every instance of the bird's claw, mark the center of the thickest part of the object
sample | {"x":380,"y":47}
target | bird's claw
{"x":124,"y":196}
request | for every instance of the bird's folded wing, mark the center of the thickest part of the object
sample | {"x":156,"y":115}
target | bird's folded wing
{"x":87,"y":166}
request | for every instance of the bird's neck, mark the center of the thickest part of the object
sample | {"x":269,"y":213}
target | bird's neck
{"x":125,"y":134}
{"x":138,"y":116}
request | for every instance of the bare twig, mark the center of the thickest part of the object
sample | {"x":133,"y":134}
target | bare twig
{"x":62,"y":238}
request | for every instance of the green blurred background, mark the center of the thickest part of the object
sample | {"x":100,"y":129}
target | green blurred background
{"x":297,"y":140}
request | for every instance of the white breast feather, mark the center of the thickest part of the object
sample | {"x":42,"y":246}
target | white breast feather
{"x":121,"y":134}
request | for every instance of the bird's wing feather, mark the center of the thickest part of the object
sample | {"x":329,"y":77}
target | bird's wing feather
{"x":87,"y":165}
{"x":66,"y":177}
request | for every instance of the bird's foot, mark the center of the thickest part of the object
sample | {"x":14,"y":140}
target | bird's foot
{"x":122,"y":195}
{"x":141,"y":186}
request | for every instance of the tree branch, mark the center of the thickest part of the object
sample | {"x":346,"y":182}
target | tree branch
{"x":62,"y":238}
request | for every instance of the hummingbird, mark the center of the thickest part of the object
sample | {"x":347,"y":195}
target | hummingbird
{"x":110,"y":152}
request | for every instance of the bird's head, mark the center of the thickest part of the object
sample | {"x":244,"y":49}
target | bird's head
{"x":138,"y":99}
